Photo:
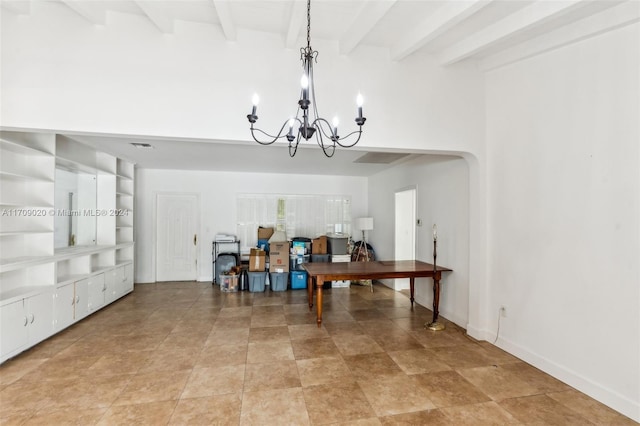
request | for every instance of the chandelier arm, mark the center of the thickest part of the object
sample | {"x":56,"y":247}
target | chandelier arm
{"x":359,"y":132}
{"x":274,"y":138}
{"x":293,"y":149}
{"x":328,"y":150}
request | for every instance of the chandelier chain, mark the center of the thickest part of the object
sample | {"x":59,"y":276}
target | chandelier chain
{"x":309,"y":24}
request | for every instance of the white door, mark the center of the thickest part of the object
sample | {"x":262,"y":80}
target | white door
{"x":405,"y":230}
{"x":176,"y":237}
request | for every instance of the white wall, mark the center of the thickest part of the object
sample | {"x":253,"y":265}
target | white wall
{"x":563,"y":194}
{"x":217,"y":192}
{"x":442,"y":187}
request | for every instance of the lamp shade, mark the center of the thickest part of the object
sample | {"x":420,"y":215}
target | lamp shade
{"x":365,"y":223}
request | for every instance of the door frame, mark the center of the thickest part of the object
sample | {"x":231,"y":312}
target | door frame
{"x":156,"y":196}
{"x":400,"y":284}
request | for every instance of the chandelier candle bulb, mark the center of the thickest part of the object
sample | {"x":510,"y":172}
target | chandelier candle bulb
{"x":359,"y":102}
{"x":435,"y":232}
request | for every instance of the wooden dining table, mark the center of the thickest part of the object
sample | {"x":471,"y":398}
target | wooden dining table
{"x":318,"y":273}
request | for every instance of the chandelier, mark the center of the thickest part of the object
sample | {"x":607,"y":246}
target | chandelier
{"x":307,"y":121}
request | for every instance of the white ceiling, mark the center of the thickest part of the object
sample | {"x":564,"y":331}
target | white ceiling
{"x":449,"y":30}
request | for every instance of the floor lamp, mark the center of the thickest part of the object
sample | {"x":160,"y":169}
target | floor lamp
{"x":365,"y":224}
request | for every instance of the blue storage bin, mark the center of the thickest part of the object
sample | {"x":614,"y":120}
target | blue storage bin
{"x":278,"y":281}
{"x":263,"y":244}
{"x":257,"y":281}
{"x":298,"y":279}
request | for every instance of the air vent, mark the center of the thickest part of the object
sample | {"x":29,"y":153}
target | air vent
{"x":380,"y":157}
{"x":142,"y":145}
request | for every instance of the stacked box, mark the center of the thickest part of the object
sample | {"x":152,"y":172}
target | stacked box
{"x":265,"y":233}
{"x":279,"y":256}
{"x":257,"y":281}
{"x":278,"y":281}
{"x":341,"y":258}
{"x":296,"y":262}
{"x":319,"y":245}
{"x":229,"y":283}
{"x":257,"y":260}
{"x":298,"y":279}
{"x":337,"y":244}
{"x":321,"y":258}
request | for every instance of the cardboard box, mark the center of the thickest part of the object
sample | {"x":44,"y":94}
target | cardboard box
{"x":319,"y":245}
{"x":265,"y":233}
{"x":279,"y":257}
{"x":257,"y":260}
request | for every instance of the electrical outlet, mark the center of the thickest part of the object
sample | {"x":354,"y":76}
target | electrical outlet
{"x":503,"y":311}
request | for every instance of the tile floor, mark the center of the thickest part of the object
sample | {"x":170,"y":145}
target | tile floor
{"x":186,"y":354}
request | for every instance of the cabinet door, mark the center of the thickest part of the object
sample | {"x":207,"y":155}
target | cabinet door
{"x":81,"y":299}
{"x":127,"y":281}
{"x":64,"y":307}
{"x":96,"y":290}
{"x":111,"y":287}
{"x":39,"y":310}
{"x":13,"y":324}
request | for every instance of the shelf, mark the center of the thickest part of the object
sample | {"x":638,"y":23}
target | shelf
{"x":25,"y":206}
{"x":16,"y":294}
{"x":123,"y":177}
{"x":23,"y":232}
{"x":22,"y":149}
{"x":22,"y":177}
{"x":21,"y":262}
{"x":67,"y":279}
{"x":123,"y":194}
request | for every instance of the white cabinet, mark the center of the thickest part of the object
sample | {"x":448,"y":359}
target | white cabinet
{"x":44,"y":286}
{"x":96,"y":292}
{"x":64,"y":302}
{"x":25,"y":322}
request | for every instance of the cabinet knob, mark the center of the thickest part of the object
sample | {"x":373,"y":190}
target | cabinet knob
{"x":32,"y":318}
{"x":26,"y":321}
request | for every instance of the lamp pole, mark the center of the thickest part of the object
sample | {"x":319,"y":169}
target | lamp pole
{"x":434,"y":324}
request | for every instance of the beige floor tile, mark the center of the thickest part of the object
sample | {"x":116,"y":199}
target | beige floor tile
{"x":447,"y":388}
{"x":129,"y":362}
{"x":153,"y":413}
{"x":498,"y":382}
{"x":463,"y":356}
{"x":274,"y":407}
{"x":153,"y":387}
{"x":223,"y":410}
{"x":268,"y":320}
{"x":269,"y":352}
{"x":367,"y":366}
{"x":62,"y":367}
{"x":307,"y":331}
{"x":417,"y":361}
{"x":269,"y":334}
{"x":217,"y":356}
{"x":16,"y":368}
{"x":226,"y":336}
{"x":337,"y":402}
{"x":543,"y":383}
{"x":208,"y":381}
{"x":67,"y":416}
{"x":542,"y":410}
{"x":485,"y":413}
{"x":590,"y":408}
{"x":356,"y":345}
{"x":91,"y":391}
{"x":171,"y":359}
{"x":314,"y":348}
{"x":322,"y":371}
{"x":427,"y":417}
{"x":396,"y":341}
{"x":397,"y":394}
{"x":272,"y":375}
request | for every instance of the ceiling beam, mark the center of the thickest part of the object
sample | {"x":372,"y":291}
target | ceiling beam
{"x":528,"y":18}
{"x":443,"y":19}
{"x":298,"y":18}
{"x":224,"y":15}
{"x":162,"y":22}
{"x":370,"y":13}
{"x":83,"y":9}
{"x":618,"y":16}
{"x":17,"y":7}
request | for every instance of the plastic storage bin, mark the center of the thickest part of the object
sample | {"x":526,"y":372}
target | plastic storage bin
{"x":257,"y":281}
{"x":229,"y":283}
{"x":341,"y":258}
{"x":296,"y":262}
{"x":320,"y":258}
{"x":337,"y":244}
{"x":298,"y":279}
{"x":278,"y":281}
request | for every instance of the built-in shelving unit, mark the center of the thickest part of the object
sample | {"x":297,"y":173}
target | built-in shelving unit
{"x":44,"y":289}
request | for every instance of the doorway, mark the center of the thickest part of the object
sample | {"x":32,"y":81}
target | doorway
{"x":176,"y":237}
{"x":405,"y":230}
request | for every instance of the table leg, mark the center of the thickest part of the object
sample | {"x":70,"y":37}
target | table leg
{"x":319,"y":284}
{"x":411,"y":288}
